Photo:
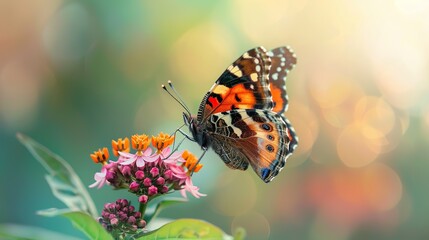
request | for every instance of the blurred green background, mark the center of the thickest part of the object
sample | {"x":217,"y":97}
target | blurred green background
{"x":76,"y":74}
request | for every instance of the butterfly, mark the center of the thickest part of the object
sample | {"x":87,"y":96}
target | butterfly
{"x":241,"y":116}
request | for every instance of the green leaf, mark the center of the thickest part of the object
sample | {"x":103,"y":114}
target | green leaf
{"x":64,"y":182}
{"x":186,"y":229}
{"x":21,"y":232}
{"x":152,"y":212}
{"x":239,"y":234}
{"x":82,"y":221}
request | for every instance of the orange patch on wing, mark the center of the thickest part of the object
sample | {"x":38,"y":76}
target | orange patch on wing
{"x":237,"y":97}
{"x":278,"y":98}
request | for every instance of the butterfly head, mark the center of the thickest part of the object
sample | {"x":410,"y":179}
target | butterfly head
{"x":198,"y":134}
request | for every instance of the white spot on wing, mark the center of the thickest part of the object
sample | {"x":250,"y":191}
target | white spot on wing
{"x":275,"y":76}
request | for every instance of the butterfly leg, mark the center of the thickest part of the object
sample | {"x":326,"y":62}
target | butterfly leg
{"x":186,"y":135}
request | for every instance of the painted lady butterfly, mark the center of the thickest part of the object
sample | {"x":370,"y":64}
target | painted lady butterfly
{"x":241,"y":117}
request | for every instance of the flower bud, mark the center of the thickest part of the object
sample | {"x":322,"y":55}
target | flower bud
{"x":143,"y":199}
{"x":131,"y":220}
{"x":154,"y":171}
{"x":168,"y":174}
{"x":126,"y":170}
{"x":147,"y":182}
{"x":152,"y":190}
{"x":160,"y":181}
{"x":164,"y":189}
{"x":139,"y":174}
{"x":134,"y":186}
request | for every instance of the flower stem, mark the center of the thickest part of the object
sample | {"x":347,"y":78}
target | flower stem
{"x":142,"y":208}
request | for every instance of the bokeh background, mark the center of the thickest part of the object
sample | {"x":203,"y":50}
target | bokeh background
{"x":76,"y":74}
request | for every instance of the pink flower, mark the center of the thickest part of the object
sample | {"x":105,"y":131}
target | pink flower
{"x":100,"y":178}
{"x":189,"y":187}
{"x":139,"y":159}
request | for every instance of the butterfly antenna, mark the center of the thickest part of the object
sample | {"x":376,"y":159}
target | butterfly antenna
{"x":178,"y":96}
{"x":175,"y":98}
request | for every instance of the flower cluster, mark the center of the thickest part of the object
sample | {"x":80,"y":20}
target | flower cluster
{"x":150,"y":171}
{"x":120,"y":217}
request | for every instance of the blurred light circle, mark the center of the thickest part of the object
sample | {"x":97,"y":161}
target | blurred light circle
{"x":200,"y":56}
{"x":376,"y":115}
{"x":306,"y":125}
{"x":383,"y":187}
{"x":256,"y":225}
{"x":329,"y":88}
{"x":235,"y":193}
{"x":354,"y":148}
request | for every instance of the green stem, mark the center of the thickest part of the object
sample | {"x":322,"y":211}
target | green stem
{"x":142,"y":208}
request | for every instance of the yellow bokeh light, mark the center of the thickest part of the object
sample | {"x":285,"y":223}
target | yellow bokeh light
{"x":354,"y":148}
{"x":376,"y":116}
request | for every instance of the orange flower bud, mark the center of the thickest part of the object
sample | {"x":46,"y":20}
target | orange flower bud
{"x":162,"y":141}
{"x":100,"y":156}
{"x":140,"y":142}
{"x":121,"y":145}
{"x":191,"y":162}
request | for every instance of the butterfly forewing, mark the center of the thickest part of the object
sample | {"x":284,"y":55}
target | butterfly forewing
{"x":243,"y":85}
{"x":282,"y":61}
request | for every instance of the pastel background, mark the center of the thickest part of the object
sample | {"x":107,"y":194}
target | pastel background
{"x":76,"y":74}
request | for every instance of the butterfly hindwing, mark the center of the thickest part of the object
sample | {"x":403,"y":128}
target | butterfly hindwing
{"x":257,"y":137}
{"x":282,"y":61}
{"x":243,"y":85}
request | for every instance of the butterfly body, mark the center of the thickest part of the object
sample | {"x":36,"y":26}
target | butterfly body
{"x":241,"y":116}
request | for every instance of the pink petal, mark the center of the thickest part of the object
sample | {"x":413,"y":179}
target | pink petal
{"x":100,"y":178}
{"x":140,"y":162}
{"x":129,"y":161}
{"x":153,"y":158}
{"x":95,"y":184}
{"x":183,"y":192}
{"x":177,"y":156}
{"x":165,"y":152}
{"x":147,"y":152}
